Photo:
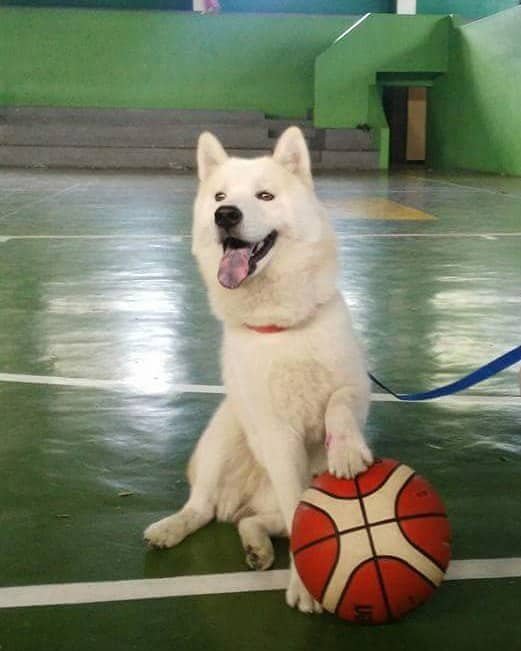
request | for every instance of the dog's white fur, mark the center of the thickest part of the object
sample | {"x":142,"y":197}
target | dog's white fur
{"x":284,"y":390}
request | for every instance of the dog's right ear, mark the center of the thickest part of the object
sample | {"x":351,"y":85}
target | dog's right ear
{"x":210,"y":154}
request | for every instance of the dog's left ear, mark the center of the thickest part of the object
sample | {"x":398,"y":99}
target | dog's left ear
{"x":292,"y":152}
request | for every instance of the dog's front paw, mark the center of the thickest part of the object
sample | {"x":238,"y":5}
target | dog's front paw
{"x":298,"y":597}
{"x":167,"y":532}
{"x":259,"y":558}
{"x":347,"y":457}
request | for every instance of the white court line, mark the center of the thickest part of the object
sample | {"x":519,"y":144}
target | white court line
{"x":180,"y":238}
{"x":430,"y":235}
{"x":110,"y":385}
{"x":463,"y":186}
{"x":129,"y":387}
{"x":42,"y":199}
{"x":169,"y":238}
{"x":60,"y":594}
{"x":465,"y":399}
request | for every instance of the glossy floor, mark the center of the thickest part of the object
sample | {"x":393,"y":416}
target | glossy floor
{"x":97,"y":284}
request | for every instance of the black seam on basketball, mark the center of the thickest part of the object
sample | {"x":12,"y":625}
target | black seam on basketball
{"x":417,"y":515}
{"x":411,"y":567}
{"x":333,"y":568}
{"x":342,"y":532}
{"x":400,"y":465}
{"x":328,"y":516}
{"x":390,"y":520}
{"x":337,"y":497}
{"x":404,"y":518}
{"x":338,"y":532}
{"x":350,"y":580}
{"x":434,"y":514}
{"x":419,"y":549}
{"x":314,"y":542}
{"x":399,"y":520}
{"x":399,"y":494}
{"x":373,"y":549}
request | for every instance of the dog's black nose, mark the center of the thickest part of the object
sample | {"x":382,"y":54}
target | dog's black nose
{"x":227,"y":217}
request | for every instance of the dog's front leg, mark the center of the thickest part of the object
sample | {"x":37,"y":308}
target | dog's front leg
{"x":347,"y":452}
{"x":287,"y":465}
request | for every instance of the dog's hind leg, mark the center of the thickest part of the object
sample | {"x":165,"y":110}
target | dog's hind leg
{"x":255,"y":532}
{"x":205,"y":474}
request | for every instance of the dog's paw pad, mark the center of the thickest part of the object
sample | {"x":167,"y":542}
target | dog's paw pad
{"x":259,"y":558}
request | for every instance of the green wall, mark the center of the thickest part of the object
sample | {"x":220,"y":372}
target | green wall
{"x":474,"y":111}
{"x":75,"y":57}
{"x":347,"y":71}
{"x":280,"y":6}
{"x":466,"y":8}
{"x":310,"y":6}
{"x":179,"y":5}
{"x":283,"y":65}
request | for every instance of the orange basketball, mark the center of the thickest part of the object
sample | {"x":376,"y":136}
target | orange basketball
{"x":373,"y":548}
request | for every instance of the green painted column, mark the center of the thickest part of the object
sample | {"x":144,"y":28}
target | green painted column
{"x":473,"y":121}
{"x":381,"y":43}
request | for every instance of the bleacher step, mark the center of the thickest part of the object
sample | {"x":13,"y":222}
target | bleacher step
{"x":161,"y":138}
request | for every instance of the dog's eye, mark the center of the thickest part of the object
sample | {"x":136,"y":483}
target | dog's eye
{"x":220,"y":196}
{"x":265,"y":196}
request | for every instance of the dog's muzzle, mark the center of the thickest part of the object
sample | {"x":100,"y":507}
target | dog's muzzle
{"x":228,"y":217}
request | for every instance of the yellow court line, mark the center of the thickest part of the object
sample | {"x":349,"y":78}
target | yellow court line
{"x":377,"y":208}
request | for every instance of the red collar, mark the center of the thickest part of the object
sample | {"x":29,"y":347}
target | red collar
{"x":265,"y":330}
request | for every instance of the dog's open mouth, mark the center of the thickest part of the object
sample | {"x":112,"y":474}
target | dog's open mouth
{"x":240,"y":259}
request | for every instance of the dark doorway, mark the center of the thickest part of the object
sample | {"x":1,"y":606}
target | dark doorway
{"x":395,"y":107}
{"x":406,"y":109}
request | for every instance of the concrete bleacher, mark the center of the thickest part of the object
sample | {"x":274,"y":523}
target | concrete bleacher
{"x":160,"y":138}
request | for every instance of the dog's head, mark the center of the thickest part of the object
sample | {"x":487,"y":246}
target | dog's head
{"x":256,"y":220}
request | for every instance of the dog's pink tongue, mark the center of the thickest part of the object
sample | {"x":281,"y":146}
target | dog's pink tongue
{"x":234,"y":267}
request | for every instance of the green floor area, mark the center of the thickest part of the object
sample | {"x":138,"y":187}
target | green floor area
{"x":464,"y":616}
{"x":97,"y":283}
{"x":77,"y":451}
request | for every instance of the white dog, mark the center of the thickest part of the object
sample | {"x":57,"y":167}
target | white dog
{"x":297,"y":391}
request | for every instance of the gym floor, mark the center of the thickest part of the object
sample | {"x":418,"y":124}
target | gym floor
{"x":109,"y":371}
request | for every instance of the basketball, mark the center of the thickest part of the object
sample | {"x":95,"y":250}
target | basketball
{"x":373,"y":548}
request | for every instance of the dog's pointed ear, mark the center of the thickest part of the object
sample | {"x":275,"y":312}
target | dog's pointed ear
{"x":292,"y":152}
{"x":210,"y":154}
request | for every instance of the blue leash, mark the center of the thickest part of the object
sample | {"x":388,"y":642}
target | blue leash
{"x":484,"y":372}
